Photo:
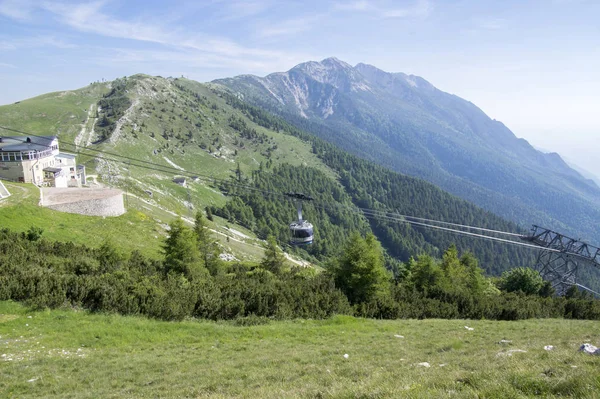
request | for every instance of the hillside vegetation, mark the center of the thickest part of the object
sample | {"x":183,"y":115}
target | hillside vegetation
{"x":178,"y":126}
{"x":190,"y":280}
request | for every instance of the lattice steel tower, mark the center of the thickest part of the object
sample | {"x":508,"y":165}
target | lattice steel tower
{"x":560,"y":256}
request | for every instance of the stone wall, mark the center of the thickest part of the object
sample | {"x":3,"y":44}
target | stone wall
{"x":85,"y":201}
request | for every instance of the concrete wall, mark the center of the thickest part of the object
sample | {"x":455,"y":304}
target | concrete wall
{"x":9,"y":170}
{"x":27,"y":171}
{"x":61,"y":181}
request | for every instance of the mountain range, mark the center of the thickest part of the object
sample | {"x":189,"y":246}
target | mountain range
{"x":296,"y":131}
{"x":404,"y":123}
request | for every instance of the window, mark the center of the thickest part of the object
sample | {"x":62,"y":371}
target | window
{"x":303,"y":233}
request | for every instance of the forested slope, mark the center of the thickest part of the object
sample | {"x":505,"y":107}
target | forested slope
{"x":371,"y":186}
{"x":406,"y":124}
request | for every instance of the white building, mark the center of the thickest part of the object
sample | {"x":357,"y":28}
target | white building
{"x":35,"y":159}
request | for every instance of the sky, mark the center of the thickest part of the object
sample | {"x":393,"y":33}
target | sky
{"x":534,"y":65}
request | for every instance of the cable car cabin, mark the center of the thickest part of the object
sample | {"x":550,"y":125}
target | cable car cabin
{"x":302,"y":233}
{"x":301,"y":230}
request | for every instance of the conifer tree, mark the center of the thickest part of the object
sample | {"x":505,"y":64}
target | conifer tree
{"x":359,"y":271}
{"x":274,"y":258}
{"x":181,"y":251}
{"x":207,"y":246}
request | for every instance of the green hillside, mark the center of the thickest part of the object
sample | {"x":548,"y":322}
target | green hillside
{"x":60,"y":113}
{"x":170,"y":127}
{"x":141,"y":228}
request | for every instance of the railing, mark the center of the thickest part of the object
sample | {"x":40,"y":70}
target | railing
{"x":20,"y":156}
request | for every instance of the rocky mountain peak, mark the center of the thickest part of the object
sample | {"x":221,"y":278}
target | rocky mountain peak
{"x":374,"y":74}
{"x":336,"y":63}
{"x":333,"y":71}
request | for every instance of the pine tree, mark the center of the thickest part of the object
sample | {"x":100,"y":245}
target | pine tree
{"x":181,"y":251}
{"x":274,"y":258}
{"x":207,"y":246}
{"x":238,"y":173}
{"x":359,"y":272}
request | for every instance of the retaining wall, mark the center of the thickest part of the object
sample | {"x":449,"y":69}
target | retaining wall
{"x":85,"y":201}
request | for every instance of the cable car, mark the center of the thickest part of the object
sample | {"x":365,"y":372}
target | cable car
{"x":301,"y":230}
{"x":302,"y":233}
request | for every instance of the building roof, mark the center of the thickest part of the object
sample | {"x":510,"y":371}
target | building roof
{"x":26,"y":143}
{"x":66,"y":155}
{"x":54,"y":170}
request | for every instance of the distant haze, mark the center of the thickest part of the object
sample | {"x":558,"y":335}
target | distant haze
{"x":532,"y":65}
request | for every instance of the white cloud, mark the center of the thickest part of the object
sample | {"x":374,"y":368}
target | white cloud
{"x":420,"y":9}
{"x":490,"y":23}
{"x":16,"y":9}
{"x":176,"y":44}
{"x":361,"y":5}
{"x":90,"y":18}
{"x":33,"y":42}
{"x":244,"y":9}
{"x":290,"y":26}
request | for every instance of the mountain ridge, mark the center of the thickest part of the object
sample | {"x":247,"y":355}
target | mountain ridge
{"x":403,"y":122}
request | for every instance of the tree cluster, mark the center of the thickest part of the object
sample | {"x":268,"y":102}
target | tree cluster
{"x":191,"y":281}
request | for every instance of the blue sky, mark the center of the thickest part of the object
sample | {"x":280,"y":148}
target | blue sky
{"x":535,"y":65}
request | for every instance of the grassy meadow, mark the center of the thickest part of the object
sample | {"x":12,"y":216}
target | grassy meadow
{"x":74,"y":354}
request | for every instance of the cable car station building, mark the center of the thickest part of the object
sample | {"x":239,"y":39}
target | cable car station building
{"x":38,"y":160}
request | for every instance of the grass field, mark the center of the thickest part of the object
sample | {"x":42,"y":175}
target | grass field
{"x":65,"y":353}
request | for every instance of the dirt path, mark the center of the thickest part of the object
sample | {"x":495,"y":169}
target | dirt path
{"x":86,"y":134}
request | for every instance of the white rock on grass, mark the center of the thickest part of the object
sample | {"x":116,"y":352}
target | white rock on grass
{"x":590,"y":349}
{"x":398,"y":336}
{"x":505,"y":341}
{"x":469,"y":328}
{"x":424,"y":364}
{"x":549,"y":347}
{"x":346,"y":356}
